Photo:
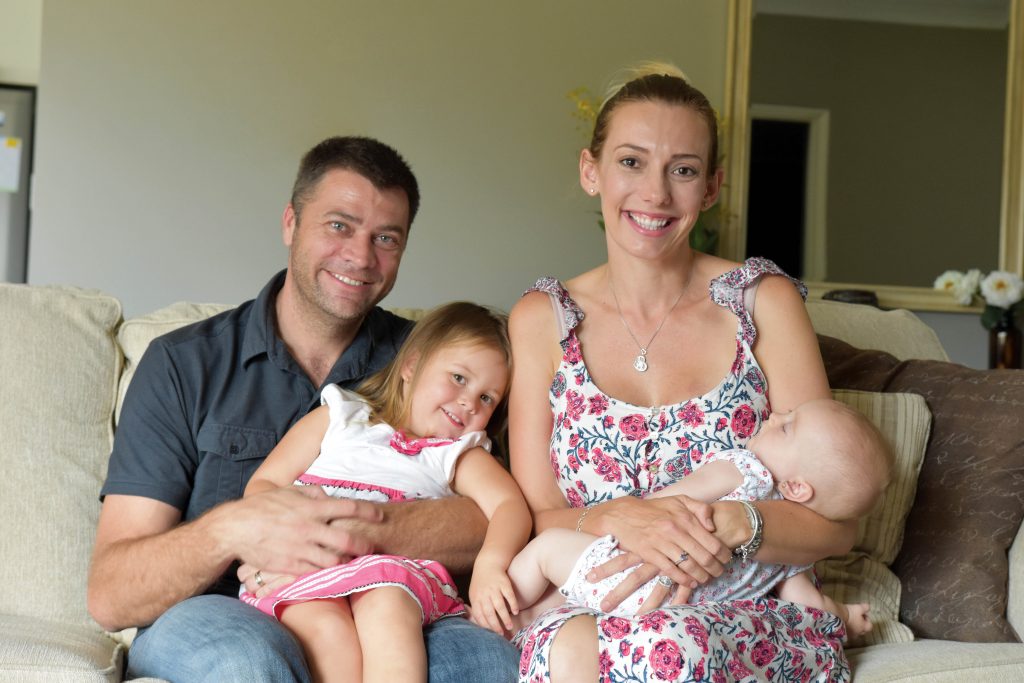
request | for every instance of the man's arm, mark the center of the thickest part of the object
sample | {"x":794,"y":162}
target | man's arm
{"x":144,"y":561}
{"x":448,"y":530}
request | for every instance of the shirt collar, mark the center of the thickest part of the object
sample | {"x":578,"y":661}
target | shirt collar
{"x":374,"y":345}
{"x":260,"y":336}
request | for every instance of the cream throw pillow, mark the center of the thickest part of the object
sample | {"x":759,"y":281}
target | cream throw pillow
{"x":136,"y":334}
{"x":59,"y":367}
{"x":863,"y":574}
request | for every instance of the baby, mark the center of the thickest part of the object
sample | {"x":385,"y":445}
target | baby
{"x":824,"y":455}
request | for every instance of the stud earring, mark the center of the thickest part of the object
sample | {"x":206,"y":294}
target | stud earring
{"x":593,"y":190}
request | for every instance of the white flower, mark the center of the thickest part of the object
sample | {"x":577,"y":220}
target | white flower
{"x":972,"y":279}
{"x":968,"y":287}
{"x":949,"y":280}
{"x":961,"y":286}
{"x":1002,"y":289}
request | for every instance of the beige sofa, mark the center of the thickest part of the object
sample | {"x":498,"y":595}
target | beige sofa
{"x":65,"y":356}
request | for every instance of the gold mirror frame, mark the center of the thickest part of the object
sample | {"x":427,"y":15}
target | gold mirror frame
{"x":732,"y":239}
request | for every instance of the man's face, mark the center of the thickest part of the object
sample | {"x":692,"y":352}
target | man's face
{"x":346,"y":245}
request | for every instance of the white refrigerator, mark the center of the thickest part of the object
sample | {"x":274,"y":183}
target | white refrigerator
{"x":17,"y":117}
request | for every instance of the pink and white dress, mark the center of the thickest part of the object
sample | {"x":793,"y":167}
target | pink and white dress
{"x":375,"y":462}
{"x":603,"y":448}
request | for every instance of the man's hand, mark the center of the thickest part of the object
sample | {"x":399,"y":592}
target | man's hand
{"x":289,"y":530}
{"x":261,"y":583}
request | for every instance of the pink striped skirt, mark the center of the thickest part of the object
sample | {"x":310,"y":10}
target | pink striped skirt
{"x":426,"y":581}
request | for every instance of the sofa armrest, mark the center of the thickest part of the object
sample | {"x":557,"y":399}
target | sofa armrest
{"x":1015,"y":599}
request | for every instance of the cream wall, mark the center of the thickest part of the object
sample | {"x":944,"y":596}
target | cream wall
{"x":20,"y":31}
{"x":169,"y":132}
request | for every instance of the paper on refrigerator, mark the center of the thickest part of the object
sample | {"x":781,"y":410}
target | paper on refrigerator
{"x":10,"y":163}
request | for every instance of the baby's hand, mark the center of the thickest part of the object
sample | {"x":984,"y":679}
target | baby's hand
{"x":492,"y":599}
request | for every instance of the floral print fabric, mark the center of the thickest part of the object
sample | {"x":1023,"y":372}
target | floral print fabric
{"x":602,"y":448}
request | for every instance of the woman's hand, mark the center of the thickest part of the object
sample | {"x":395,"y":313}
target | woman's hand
{"x":261,"y":583}
{"x":492,"y":598}
{"x":670,"y":536}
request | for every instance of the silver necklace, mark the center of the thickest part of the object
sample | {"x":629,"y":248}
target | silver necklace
{"x":640,"y":362}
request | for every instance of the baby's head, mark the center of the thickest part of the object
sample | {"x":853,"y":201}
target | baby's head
{"x":450,"y":377}
{"x":827,"y":456}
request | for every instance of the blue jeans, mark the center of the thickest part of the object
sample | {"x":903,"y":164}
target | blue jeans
{"x":220,"y":638}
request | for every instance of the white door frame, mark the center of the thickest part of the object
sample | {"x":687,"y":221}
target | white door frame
{"x":816,"y":182}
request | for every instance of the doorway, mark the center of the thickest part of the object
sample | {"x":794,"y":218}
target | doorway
{"x":786,"y":210}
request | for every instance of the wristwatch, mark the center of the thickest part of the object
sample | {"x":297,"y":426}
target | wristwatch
{"x":747,"y":550}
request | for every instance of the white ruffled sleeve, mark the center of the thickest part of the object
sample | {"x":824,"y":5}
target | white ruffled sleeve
{"x":344,"y":406}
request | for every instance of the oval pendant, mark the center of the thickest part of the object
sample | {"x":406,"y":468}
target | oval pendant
{"x":640,"y":364}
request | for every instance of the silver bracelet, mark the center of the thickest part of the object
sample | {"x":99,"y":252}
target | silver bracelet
{"x":579,"y":522}
{"x":747,"y":550}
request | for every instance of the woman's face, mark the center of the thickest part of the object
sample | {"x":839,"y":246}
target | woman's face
{"x":652,"y":177}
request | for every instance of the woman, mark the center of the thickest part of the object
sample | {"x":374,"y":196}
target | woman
{"x":618,"y":388}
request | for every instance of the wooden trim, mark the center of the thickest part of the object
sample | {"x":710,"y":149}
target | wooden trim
{"x":892,"y":296}
{"x":1011,"y":227}
{"x":732,"y":240}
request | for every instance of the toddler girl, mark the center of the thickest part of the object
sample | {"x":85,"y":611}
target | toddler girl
{"x":417,"y":431}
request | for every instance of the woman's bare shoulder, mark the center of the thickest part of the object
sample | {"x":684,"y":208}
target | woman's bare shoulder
{"x":709,"y":266}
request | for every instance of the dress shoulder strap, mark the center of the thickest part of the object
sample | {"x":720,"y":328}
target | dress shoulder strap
{"x":729,"y":290}
{"x":567,"y":311}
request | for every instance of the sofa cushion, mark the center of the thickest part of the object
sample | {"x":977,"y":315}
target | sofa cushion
{"x":59,"y":367}
{"x":953,"y":563}
{"x":41,"y":651}
{"x":937,"y":661}
{"x":863,"y":574}
{"x":136,"y":333}
{"x":898,"y":332}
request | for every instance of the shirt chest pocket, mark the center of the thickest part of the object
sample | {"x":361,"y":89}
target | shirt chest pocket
{"x":230,"y":454}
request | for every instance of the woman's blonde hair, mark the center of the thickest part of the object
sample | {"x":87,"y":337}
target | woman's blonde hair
{"x":459,"y":322}
{"x":654,"y":82}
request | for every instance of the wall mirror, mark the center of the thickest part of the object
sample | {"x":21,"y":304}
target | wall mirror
{"x":910,"y":116}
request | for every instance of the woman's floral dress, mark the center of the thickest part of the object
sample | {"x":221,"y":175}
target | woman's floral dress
{"x":603,"y":448}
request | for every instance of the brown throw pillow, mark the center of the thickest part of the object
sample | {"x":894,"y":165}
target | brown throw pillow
{"x":953,"y":563}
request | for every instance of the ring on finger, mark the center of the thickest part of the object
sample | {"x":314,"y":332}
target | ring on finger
{"x":683,"y":557}
{"x":665,"y":581}
{"x":258,"y":578}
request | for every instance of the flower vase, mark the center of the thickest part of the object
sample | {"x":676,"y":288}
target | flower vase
{"x":1004,"y":343}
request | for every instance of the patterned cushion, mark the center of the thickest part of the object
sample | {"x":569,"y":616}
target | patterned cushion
{"x":953,"y":564}
{"x":863,"y":574}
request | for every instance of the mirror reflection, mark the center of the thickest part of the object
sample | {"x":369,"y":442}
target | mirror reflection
{"x":905,"y":115}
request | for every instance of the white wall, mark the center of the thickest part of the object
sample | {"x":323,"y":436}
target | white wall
{"x":169,"y":132}
{"x":20,"y":31}
{"x":962,"y":335}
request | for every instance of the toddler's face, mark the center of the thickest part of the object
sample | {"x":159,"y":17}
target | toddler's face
{"x":456,"y":391}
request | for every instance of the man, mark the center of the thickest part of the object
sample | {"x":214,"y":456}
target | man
{"x":209,"y":402}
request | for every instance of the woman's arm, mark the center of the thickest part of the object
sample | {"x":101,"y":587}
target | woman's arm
{"x":479,"y":477}
{"x":787,"y":351}
{"x":536,"y":353}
